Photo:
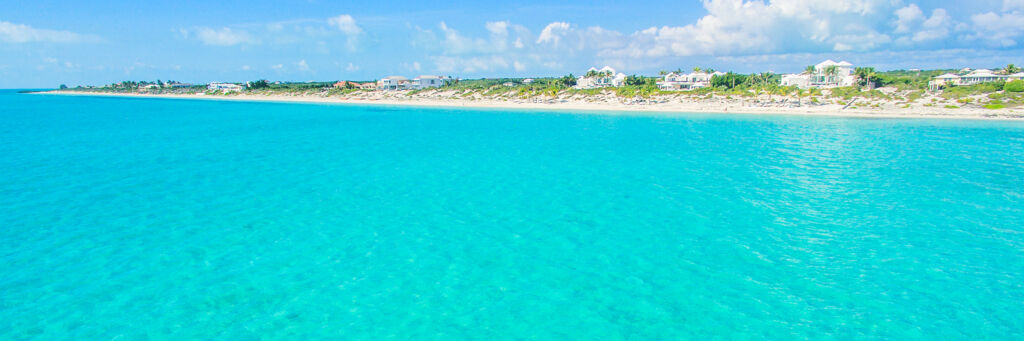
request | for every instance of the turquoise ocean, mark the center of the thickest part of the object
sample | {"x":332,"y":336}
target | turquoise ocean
{"x":131,"y":218}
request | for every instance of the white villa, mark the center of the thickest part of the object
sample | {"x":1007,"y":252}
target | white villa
{"x":681,"y":81}
{"x":393,"y":83}
{"x":604,"y":77}
{"x":973,"y":77}
{"x":428,"y":81}
{"x":224,"y":86}
{"x":821,"y":77}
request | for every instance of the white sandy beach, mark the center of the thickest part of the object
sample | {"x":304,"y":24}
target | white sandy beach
{"x":662,"y":104}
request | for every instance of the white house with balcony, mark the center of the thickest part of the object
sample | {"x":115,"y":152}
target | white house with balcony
{"x":687,"y":81}
{"x":394,"y":83}
{"x":980,"y":76}
{"x":218,"y":86}
{"x":827,"y":74}
{"x":604,"y":77}
{"x":428,"y":81}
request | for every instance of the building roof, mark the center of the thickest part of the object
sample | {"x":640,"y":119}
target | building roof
{"x":397,"y":78}
{"x":429,"y":77}
{"x":948,"y":76}
{"x":830,"y":62}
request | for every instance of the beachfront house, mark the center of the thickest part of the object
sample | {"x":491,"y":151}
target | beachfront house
{"x":827,"y":74}
{"x":687,"y":81}
{"x":218,"y":86}
{"x":394,"y":83}
{"x":980,"y":76}
{"x":604,"y":77}
{"x":943,"y":81}
{"x":368,"y":86}
{"x":972,"y":77}
{"x":528,"y":81}
{"x":428,"y":81}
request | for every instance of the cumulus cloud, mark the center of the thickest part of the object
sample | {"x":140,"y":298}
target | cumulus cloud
{"x":19,"y":33}
{"x":553,"y":33}
{"x":1000,"y":30}
{"x":729,"y":28}
{"x":347,"y":25}
{"x":911,"y":20}
{"x":352,"y":67}
{"x":223,"y":36}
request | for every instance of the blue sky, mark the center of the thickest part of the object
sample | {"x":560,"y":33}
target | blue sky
{"x":46,"y":43}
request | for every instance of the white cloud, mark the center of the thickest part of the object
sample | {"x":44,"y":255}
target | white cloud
{"x":456,"y":43}
{"x":302,"y":65}
{"x":223,"y":37}
{"x":1013,"y":5}
{"x":347,"y":25}
{"x":911,"y":20}
{"x":519,"y":67}
{"x":18,"y":33}
{"x":352,"y":67}
{"x":908,"y":17}
{"x":553,"y":33}
{"x":1000,"y":30}
{"x":734,"y":27}
{"x":277,"y":67}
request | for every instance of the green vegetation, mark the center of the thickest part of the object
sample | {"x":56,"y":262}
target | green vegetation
{"x":1014,"y":86}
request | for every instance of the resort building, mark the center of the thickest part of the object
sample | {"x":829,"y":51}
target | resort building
{"x":528,"y":81}
{"x":224,"y":86}
{"x":368,"y":86}
{"x":827,"y":74}
{"x":604,"y":77}
{"x":393,"y":83}
{"x":680,"y":81}
{"x":978,"y":76}
{"x":428,"y":81}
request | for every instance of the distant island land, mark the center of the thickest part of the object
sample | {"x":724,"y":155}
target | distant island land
{"x":827,"y":89}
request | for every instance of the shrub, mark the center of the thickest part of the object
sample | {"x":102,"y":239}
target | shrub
{"x":1014,"y":86}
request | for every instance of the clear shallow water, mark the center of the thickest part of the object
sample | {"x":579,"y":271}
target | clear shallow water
{"x":174,"y":219}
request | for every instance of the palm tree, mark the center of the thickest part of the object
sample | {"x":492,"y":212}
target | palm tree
{"x":696,"y":69}
{"x":831,"y":71}
{"x":865,"y":75}
{"x":1011,"y":69}
{"x":809,"y":69}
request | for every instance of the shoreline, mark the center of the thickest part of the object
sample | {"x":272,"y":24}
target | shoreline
{"x":683,"y":107}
